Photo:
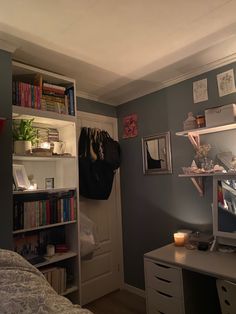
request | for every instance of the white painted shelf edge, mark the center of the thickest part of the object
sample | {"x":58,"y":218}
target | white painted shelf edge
{"x":69,"y":290}
{"x":45,"y":226}
{"x":207,"y":130}
{"x":42,"y":116}
{"x":56,"y":190}
{"x":56,"y":258}
{"x":40,"y":158}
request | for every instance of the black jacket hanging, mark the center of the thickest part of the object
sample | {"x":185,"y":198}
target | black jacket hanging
{"x":95,"y":175}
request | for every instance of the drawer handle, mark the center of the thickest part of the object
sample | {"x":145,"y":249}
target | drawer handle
{"x":165,"y":294}
{"x":165,"y":280}
{"x":161,"y":265}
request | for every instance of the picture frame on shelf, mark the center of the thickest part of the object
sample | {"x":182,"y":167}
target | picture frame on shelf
{"x":49,"y":183}
{"x":20,"y":177}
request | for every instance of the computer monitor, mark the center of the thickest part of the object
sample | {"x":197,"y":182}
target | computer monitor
{"x":224,"y":209}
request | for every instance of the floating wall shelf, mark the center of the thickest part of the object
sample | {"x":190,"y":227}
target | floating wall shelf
{"x":194,"y":137}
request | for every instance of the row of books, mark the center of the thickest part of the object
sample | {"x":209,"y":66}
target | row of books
{"x":37,"y":213}
{"x":56,"y":276}
{"x":48,"y":97}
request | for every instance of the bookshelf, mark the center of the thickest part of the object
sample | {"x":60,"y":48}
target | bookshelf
{"x":48,"y":215}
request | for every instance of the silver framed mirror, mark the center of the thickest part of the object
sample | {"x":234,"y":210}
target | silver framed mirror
{"x":156,"y":150}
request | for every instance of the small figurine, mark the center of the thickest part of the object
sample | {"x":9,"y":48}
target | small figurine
{"x":190,"y":123}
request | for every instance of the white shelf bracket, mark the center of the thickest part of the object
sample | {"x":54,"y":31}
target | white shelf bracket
{"x":194,"y":139}
{"x":198,"y":183}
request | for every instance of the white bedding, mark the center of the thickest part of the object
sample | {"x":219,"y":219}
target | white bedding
{"x":23,"y":289}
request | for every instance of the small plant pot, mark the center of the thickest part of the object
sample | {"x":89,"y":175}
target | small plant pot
{"x":22,"y":147}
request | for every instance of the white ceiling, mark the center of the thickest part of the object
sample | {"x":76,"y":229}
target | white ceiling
{"x":118,"y":50}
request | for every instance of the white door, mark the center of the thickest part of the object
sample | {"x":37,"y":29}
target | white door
{"x":104,"y":272}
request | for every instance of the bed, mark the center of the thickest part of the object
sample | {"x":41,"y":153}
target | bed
{"x":23,"y":289}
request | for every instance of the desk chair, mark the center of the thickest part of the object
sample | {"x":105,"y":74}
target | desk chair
{"x":227,"y":296}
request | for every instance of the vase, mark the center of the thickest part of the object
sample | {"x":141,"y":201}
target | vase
{"x":22,"y":147}
{"x":207,"y":164}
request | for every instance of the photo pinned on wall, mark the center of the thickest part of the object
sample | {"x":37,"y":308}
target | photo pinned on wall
{"x":226,"y":83}
{"x":200,"y":92}
{"x":130,"y":127}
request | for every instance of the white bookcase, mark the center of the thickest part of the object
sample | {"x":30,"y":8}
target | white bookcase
{"x":63,"y":168}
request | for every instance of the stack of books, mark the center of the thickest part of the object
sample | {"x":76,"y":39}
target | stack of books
{"x":43,"y":96}
{"x":40,"y":212}
{"x":26,"y":95}
{"x":56,"y":276}
{"x":53,"y":135}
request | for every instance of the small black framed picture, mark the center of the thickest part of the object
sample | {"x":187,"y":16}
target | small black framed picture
{"x":49,"y":183}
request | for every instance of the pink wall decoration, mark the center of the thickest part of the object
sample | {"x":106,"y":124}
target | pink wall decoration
{"x":130,"y":128}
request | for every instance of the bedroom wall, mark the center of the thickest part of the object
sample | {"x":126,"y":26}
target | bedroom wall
{"x":96,"y":107}
{"x":6,"y":151}
{"x":155,"y":206}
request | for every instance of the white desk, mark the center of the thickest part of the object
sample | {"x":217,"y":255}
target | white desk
{"x":181,"y":281}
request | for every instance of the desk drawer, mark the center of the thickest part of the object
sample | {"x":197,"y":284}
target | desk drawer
{"x":163,"y":271}
{"x":159,"y":302}
{"x":172,"y":288}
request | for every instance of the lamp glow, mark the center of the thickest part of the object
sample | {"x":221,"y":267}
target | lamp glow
{"x":45,"y":145}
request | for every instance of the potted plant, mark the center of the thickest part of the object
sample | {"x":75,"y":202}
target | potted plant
{"x":24,"y":135}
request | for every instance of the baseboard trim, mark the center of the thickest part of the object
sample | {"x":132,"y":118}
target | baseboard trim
{"x":134,"y":290}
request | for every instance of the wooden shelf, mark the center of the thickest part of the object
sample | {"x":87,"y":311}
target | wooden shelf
{"x":205,"y":130}
{"x":37,"y":158}
{"x":56,"y":258}
{"x":45,"y":227}
{"x":47,"y":118}
{"x":44,"y":191}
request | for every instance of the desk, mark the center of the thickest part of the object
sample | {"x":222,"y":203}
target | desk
{"x":181,"y":281}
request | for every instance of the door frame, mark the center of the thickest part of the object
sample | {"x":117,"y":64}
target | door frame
{"x":93,"y":117}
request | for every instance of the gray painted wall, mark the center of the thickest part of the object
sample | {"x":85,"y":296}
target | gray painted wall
{"x":92,"y":106}
{"x":155,"y":206}
{"x":6,"y":151}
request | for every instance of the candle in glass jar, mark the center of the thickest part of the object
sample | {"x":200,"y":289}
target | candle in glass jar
{"x":179,"y":238}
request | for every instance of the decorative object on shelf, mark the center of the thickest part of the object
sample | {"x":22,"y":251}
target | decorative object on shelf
{"x":41,"y":152}
{"x":190,"y":123}
{"x":49,"y":183}
{"x":50,"y":250}
{"x":33,"y":185}
{"x":24,"y":135}
{"x":2,"y":122}
{"x":200,"y":119}
{"x":45,"y":145}
{"x":200,"y":92}
{"x":226,"y":83}
{"x":20,"y":177}
{"x":130,"y":127}
{"x":59,"y":148}
{"x":202,"y":153}
{"x":220,"y":115}
{"x":156,"y":151}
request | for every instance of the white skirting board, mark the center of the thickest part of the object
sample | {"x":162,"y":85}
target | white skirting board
{"x":134,"y":290}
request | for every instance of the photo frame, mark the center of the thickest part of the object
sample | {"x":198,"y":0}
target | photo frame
{"x":49,"y":183}
{"x":20,"y":177}
{"x":156,"y":151}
